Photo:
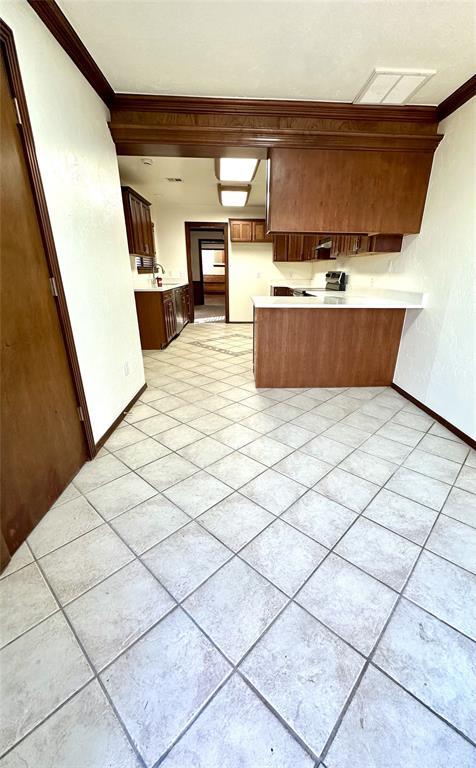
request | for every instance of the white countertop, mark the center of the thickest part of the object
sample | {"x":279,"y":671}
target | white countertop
{"x":156,"y":289}
{"x":343,"y":300}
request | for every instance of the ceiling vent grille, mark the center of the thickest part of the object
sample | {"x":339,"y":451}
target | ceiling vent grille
{"x":393,"y":86}
{"x":174,"y":179}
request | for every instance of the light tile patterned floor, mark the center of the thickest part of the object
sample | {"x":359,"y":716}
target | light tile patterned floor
{"x":249,"y":579}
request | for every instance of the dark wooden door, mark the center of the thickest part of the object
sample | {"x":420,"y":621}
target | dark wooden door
{"x":43,"y":443}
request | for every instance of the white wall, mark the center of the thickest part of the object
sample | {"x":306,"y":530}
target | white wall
{"x":437,"y":358}
{"x":251,"y":267}
{"x":79,"y":169}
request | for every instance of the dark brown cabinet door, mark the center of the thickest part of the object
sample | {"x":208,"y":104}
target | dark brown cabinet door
{"x":138,"y":223}
{"x":258,"y":231}
{"x":280,"y":248}
{"x":240,"y":230}
{"x":170,"y":318}
{"x":43,"y":444}
{"x":295,"y":247}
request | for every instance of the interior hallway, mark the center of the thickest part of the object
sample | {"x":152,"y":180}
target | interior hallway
{"x":248,"y":578}
{"x":211,"y":311}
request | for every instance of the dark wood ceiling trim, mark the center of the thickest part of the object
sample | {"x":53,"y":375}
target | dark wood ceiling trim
{"x":272,"y":107}
{"x":140,"y":135}
{"x":456,"y":99}
{"x":53,"y":17}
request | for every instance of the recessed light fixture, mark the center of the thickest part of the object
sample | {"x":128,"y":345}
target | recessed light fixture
{"x":392,"y":86}
{"x":236,"y":168}
{"x":232,"y":196}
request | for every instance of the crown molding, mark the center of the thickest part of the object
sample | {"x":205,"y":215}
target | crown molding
{"x":456,"y":99}
{"x":332,"y":110}
{"x":53,"y":17}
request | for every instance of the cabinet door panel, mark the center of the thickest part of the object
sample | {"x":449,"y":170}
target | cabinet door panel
{"x":280,"y":249}
{"x":295,"y":248}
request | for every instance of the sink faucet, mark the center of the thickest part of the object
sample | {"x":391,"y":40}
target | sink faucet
{"x":155,"y":271}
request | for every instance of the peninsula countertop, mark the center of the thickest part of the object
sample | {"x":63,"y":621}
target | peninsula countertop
{"x":322,"y":299}
{"x":156,"y":289}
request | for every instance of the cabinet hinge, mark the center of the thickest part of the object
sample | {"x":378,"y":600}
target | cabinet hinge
{"x":17,"y":110}
{"x":54,"y":289}
{"x":80,"y":413}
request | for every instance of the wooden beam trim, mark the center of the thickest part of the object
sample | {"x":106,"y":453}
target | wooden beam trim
{"x":456,"y":99}
{"x":272,"y":107}
{"x":53,"y":17}
{"x":131,"y":134}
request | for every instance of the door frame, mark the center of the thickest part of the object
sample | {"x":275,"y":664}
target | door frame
{"x":189,"y":226}
{"x":200,"y":256}
{"x":8,"y":49}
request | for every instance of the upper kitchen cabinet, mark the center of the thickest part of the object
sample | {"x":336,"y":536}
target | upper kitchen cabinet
{"x":138,"y":224}
{"x":381,"y":190}
{"x":249,"y":231}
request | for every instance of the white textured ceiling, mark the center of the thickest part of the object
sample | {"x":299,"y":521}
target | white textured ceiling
{"x":317,"y":50}
{"x":199,"y":186}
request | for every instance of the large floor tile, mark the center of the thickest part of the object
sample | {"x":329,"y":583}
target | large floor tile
{"x":160,"y":683}
{"x":81,"y":564}
{"x":262,"y":423}
{"x":401,"y":515}
{"x":455,"y":541}
{"x":344,"y":433}
{"x":139,"y":412}
{"x":157,"y":424}
{"x":184,"y":560}
{"x":236,"y":436}
{"x":419,"y":421}
{"x":40,"y":670}
{"x":349,"y":601}
{"x":444,"y":590}
{"x":124,"y":436}
{"x":320,"y":517}
{"x":62,"y":524}
{"x":273,"y":491}
{"x":368,"y":467}
{"x":303,"y":468}
{"x":432,"y":493}
{"x":236,"y":520}
{"x":266,"y":450}
{"x":210,"y":423}
{"x":433,"y":466}
{"x":149,"y":522}
{"x":295,"y":666}
{"x":234,"y":607}
{"x":111,"y":616}
{"x":20,"y":559}
{"x":284,"y":555}
{"x":25,"y":600}
{"x":198,"y":493}
{"x":415,"y":650}
{"x":325,"y":449}
{"x":236,"y":469}
{"x":120,"y":495}
{"x":84,"y":732}
{"x":347,"y":489}
{"x":250,"y":735}
{"x":385,"y":727}
{"x":205,"y":451}
{"x":447,"y":449}
{"x":381,"y":553}
{"x":69,"y":493}
{"x":390,"y":450}
{"x":179,"y":437}
{"x":400,"y":434}
{"x":99,"y":471}
{"x":462,"y":506}
{"x":167,"y":471}
{"x":141,"y":453}
{"x":467,"y":479}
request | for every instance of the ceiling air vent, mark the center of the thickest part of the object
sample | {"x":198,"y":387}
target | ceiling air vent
{"x":174,"y":179}
{"x":392,"y":86}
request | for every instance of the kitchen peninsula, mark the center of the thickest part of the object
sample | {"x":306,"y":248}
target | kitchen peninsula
{"x":329,"y":340}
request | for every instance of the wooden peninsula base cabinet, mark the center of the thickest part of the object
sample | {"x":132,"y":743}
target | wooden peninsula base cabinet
{"x":326,"y":347}
{"x":162,"y":315}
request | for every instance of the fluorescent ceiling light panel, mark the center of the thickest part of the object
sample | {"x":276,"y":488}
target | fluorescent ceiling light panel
{"x":232,"y":196}
{"x":236,"y":168}
{"x":393,"y":86}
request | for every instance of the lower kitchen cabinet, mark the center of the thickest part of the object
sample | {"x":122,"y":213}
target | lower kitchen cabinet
{"x":162,"y":315}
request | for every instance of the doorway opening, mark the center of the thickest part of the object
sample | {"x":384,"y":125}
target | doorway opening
{"x":207,"y":264}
